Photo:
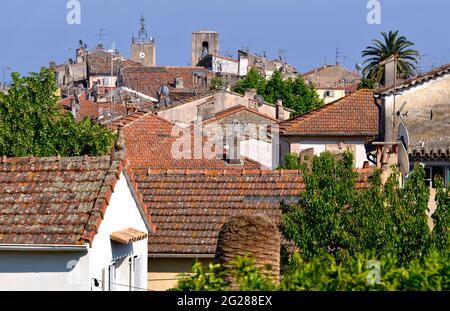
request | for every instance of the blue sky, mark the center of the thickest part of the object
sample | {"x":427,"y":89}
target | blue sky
{"x":34,"y":32}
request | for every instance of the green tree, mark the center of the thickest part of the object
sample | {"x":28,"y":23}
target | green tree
{"x":366,"y":84}
{"x":253,"y":80}
{"x":334,"y":217}
{"x":392,"y":44}
{"x":32,"y":123}
{"x":295,"y":93}
{"x":216,"y":83}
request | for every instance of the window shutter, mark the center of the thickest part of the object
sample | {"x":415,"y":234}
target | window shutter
{"x":112,"y":277}
{"x":138,"y":273}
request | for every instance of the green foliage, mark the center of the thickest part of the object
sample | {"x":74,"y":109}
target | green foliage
{"x":216,"y":83}
{"x":359,"y":273}
{"x":359,"y":239}
{"x":295,"y":93}
{"x":32,"y":123}
{"x":291,"y":162}
{"x":203,"y":279}
{"x":366,"y":84}
{"x":243,"y":271}
{"x":362,"y":272}
{"x":333,"y":217}
{"x":441,"y":217}
{"x":392,"y":44}
{"x":253,"y":80}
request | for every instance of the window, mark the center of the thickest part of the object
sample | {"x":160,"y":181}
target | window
{"x":431,"y":172}
{"x":329,"y":93}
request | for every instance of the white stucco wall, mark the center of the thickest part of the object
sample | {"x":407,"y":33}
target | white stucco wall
{"x":43,"y":271}
{"x":122,"y":213}
{"x":298,"y":144}
{"x":224,"y":66}
{"x":48,"y":271}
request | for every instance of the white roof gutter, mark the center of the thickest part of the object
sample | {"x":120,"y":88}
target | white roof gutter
{"x":43,"y":248}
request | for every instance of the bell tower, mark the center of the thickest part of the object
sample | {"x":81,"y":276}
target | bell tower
{"x":143,"y":48}
{"x":204,"y":43}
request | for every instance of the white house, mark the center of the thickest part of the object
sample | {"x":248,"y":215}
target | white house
{"x":352,"y":123}
{"x":71,"y":224}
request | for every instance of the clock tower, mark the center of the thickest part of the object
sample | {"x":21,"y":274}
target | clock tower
{"x":143,"y":48}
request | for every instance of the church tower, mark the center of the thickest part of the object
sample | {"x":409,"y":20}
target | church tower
{"x":204,"y":43}
{"x":143,"y":48}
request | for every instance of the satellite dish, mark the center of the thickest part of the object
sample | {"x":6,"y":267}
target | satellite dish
{"x":85,"y":46}
{"x":80,"y":42}
{"x":403,"y":159}
{"x":403,"y":135}
{"x":259,"y":99}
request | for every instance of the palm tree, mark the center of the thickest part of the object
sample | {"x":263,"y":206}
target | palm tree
{"x":392,"y":45}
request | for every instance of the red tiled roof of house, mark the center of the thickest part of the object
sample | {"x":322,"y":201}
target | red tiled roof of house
{"x":149,"y":144}
{"x":57,"y":201}
{"x":190,"y":206}
{"x":99,"y":63}
{"x":236,"y":109}
{"x":148,"y":80}
{"x":91,"y":109}
{"x":353,"y":115}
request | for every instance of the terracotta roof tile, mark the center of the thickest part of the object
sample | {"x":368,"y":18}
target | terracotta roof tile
{"x":189,"y":209}
{"x":54,"y":200}
{"x":148,"y":80}
{"x":149,"y":144}
{"x":354,"y":115}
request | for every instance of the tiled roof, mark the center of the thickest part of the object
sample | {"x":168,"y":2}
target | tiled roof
{"x":331,"y":76}
{"x":437,"y":72}
{"x":236,"y":109}
{"x":99,"y":63}
{"x":149,"y":144}
{"x":189,"y":207}
{"x":354,"y":115}
{"x":91,"y":109}
{"x":57,"y":201}
{"x":148,"y":80}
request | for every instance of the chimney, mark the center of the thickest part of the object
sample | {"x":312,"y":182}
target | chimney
{"x":390,"y":71}
{"x":250,"y":94}
{"x":233,"y":141}
{"x":279,"y":111}
{"x":179,"y":83}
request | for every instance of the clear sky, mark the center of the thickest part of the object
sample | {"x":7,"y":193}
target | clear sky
{"x":34,"y":32}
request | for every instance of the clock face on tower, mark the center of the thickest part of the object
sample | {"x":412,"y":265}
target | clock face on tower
{"x":142,"y":55}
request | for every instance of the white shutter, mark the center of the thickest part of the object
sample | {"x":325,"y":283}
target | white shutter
{"x":112,"y":277}
{"x":138,"y":273}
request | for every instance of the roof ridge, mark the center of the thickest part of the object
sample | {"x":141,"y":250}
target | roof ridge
{"x":226,"y":172}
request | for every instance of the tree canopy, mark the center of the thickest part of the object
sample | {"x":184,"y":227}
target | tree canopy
{"x":32,"y":123}
{"x":392,"y":44}
{"x":295,"y":93}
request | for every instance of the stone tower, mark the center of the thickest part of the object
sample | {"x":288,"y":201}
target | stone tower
{"x":204,"y":43}
{"x":143,"y":48}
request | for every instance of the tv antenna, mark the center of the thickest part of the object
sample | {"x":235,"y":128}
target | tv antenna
{"x":340,"y":57}
{"x":282,"y":55}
